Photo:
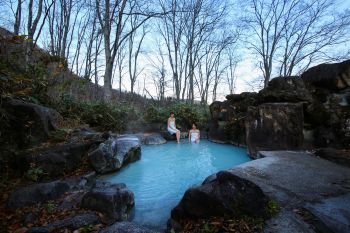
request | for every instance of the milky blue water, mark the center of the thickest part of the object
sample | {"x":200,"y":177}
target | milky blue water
{"x":164,"y":172}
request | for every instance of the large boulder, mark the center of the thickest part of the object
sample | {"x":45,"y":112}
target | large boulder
{"x":125,"y":227}
{"x":112,"y":154}
{"x":32,"y":119}
{"x":274,"y":126}
{"x":341,"y":157}
{"x":37,"y":193}
{"x":334,"y":76}
{"x":225,"y":195}
{"x":62,"y":158}
{"x":71,"y":223}
{"x":151,"y":138}
{"x":285,"y":89}
{"x":113,"y":200}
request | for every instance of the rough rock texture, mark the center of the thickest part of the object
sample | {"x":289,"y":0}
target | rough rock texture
{"x":169,"y":137}
{"x":40,"y":121}
{"x":151,"y":138}
{"x":37,"y":193}
{"x":341,"y":157}
{"x":285,"y":89}
{"x":224,"y":195}
{"x":114,"y":200}
{"x":78,"y":135}
{"x":274,"y":126}
{"x":71,"y":223}
{"x":309,"y":181}
{"x":125,"y":227}
{"x":330,"y":76}
{"x":112,"y":154}
{"x":62,"y":158}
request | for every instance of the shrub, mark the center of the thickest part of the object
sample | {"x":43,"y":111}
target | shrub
{"x":100,"y":115}
{"x":185,"y":114}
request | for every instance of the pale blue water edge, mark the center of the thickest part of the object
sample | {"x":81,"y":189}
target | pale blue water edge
{"x":164,"y":172}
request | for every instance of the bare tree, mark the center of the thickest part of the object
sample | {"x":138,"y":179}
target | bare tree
{"x":231,"y":77}
{"x":314,"y":29}
{"x":18,"y":17}
{"x":159,"y":74}
{"x":33,"y":26}
{"x":287,"y":33}
{"x":112,"y":17}
{"x":134,"y":51}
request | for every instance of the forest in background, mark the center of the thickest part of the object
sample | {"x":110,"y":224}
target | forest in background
{"x":188,"y":50}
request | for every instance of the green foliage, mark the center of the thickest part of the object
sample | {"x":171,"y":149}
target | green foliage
{"x":101,"y":115}
{"x":50,"y":207}
{"x":273,"y":207}
{"x":34,"y":173}
{"x":30,"y":84}
{"x":58,"y":135}
{"x":185,"y":114}
{"x":87,"y":228}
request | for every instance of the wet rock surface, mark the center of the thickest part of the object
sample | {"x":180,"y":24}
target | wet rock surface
{"x":115,"y":152}
{"x":151,"y":138}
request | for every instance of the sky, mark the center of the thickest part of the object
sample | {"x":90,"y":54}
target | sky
{"x":247,"y":71}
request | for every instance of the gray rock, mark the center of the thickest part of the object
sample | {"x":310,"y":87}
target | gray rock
{"x":333,"y":212}
{"x":114,"y":200}
{"x":274,"y":126}
{"x":112,"y":154}
{"x":341,"y":157}
{"x":33,"y":119}
{"x":37,"y":193}
{"x":71,"y":223}
{"x":170,"y":137}
{"x":224,"y":195}
{"x":330,"y":76}
{"x":62,"y":158}
{"x":125,"y":227}
{"x":154,"y":139}
{"x":285,"y":89}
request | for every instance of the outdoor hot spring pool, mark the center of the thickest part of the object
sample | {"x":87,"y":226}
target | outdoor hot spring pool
{"x":164,"y":172}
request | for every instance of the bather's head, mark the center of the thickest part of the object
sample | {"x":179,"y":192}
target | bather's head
{"x":172,"y":114}
{"x":194,"y":126}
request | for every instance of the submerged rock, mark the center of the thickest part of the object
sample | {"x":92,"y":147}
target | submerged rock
{"x":225,"y":195}
{"x":125,"y":227}
{"x":274,"y":126}
{"x":113,"y":200}
{"x":112,"y":154}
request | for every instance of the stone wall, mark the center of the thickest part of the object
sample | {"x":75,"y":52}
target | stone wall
{"x":274,"y":126}
{"x":310,"y":111}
